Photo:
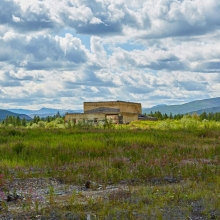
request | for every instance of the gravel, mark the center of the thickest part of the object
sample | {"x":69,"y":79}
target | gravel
{"x":19,"y":201}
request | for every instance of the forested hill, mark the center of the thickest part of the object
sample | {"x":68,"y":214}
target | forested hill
{"x":195,"y":106}
{"x":5,"y":113}
{"x":208,"y":110}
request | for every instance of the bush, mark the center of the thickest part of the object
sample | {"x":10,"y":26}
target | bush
{"x":50,"y":125}
{"x":34,"y":125}
{"x":210,"y":125}
{"x":190,"y":123}
{"x":59,"y":121}
{"x":164,"y":125}
{"x":42,"y":124}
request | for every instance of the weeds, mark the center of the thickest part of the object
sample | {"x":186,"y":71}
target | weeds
{"x":174,"y":162}
{"x":51,"y":195}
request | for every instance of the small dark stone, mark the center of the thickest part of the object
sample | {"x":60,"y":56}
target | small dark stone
{"x":123,"y":182}
{"x":87,"y":185}
{"x":11,"y":197}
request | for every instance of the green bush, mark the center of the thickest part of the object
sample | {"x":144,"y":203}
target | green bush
{"x":42,"y":124}
{"x":190,"y":123}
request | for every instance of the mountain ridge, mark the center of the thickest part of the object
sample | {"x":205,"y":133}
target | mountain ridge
{"x":43,"y":112}
{"x":4,"y":113}
{"x":198,"y":106}
{"x":194,"y":106}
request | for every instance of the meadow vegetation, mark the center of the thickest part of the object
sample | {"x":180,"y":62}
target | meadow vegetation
{"x":171,"y":167}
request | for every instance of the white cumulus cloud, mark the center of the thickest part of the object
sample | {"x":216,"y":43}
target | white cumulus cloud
{"x":63,"y":52}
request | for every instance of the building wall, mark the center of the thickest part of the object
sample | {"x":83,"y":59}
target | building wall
{"x":129,"y":117}
{"x":130,"y":107}
{"x":101,"y":117}
{"x":84,"y":117}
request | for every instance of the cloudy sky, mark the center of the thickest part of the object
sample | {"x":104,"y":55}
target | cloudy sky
{"x":59,"y":53}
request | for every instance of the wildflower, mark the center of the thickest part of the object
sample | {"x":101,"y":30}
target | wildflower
{"x":2,"y":195}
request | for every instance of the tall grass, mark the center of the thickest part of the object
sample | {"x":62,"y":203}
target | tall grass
{"x":145,"y":155}
{"x":115,"y":154}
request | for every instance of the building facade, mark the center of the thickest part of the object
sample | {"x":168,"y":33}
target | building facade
{"x":118,"y":112}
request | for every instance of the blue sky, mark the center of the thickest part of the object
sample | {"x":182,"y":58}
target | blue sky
{"x":59,"y":53}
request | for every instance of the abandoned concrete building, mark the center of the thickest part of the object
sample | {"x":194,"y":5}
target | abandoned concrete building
{"x":118,"y":112}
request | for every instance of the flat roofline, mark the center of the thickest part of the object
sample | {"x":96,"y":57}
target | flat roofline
{"x":103,"y":113}
{"x":114,"y":101}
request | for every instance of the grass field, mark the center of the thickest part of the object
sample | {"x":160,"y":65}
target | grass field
{"x":170,"y":169}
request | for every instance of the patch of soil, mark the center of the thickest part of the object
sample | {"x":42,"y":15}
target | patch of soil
{"x":24,"y":197}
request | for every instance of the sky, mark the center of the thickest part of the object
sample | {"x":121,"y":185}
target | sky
{"x":60,"y":53}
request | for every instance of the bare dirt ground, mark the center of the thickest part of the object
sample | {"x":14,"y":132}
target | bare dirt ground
{"x":24,"y":199}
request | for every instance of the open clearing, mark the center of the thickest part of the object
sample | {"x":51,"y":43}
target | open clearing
{"x":138,"y":171}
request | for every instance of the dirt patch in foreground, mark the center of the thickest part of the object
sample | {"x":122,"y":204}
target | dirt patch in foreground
{"x":50,"y":198}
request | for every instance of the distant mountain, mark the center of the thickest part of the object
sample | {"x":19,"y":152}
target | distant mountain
{"x":43,"y":112}
{"x":199,"y":105}
{"x":208,"y":110}
{"x":5,"y":113}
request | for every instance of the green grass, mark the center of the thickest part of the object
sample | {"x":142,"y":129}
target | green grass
{"x":137,"y":154}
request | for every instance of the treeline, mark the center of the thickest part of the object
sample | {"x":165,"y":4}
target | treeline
{"x":36,"y":119}
{"x":207,"y":116}
{"x":165,"y":116}
{"x":16,"y":121}
{"x":210,"y":116}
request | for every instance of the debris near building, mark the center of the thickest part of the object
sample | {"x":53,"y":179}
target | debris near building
{"x":147,"y":118}
{"x":118,"y":112}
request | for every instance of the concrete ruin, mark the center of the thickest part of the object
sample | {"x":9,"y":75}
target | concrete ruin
{"x":118,"y":112}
